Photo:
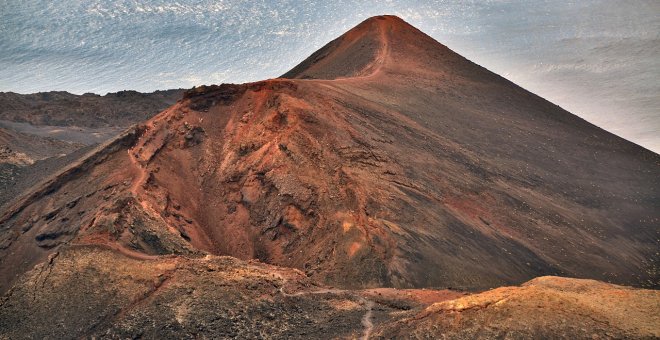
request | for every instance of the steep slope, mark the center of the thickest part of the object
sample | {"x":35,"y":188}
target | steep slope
{"x":401,"y":165}
{"x":358,"y":52}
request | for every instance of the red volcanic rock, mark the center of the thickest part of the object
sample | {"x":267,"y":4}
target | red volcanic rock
{"x":385,"y":159}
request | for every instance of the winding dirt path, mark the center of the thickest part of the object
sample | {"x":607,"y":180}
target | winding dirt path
{"x":143,"y":176}
{"x":366,"y":319}
{"x":367,"y":323}
{"x":143,"y":173}
{"x":375,"y":66}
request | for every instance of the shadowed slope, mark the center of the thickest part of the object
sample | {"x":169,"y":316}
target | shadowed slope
{"x":358,"y":52}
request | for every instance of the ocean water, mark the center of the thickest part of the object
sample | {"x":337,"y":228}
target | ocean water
{"x":596,"y":58}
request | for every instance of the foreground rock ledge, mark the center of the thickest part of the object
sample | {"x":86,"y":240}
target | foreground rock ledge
{"x":91,"y":291}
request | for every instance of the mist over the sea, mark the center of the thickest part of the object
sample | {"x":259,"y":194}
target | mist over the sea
{"x":596,"y":58}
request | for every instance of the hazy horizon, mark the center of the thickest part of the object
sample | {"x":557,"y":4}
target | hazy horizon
{"x":595,"y":58}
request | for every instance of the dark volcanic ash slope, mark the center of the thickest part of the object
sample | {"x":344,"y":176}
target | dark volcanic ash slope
{"x":488,"y":172}
{"x":20,"y":152}
{"x":23,"y":149}
{"x":408,"y":167}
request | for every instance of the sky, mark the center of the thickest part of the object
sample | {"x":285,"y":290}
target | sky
{"x":598,"y":59}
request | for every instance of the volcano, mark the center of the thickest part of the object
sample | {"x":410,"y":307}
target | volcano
{"x":384,"y":160}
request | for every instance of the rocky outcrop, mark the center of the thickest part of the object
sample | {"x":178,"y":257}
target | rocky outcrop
{"x":546,"y":307}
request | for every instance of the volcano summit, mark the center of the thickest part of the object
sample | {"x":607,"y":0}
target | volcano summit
{"x":384,"y":160}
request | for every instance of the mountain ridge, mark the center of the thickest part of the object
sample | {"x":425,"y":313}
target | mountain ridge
{"x":426,"y":174}
{"x":383,"y":202}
